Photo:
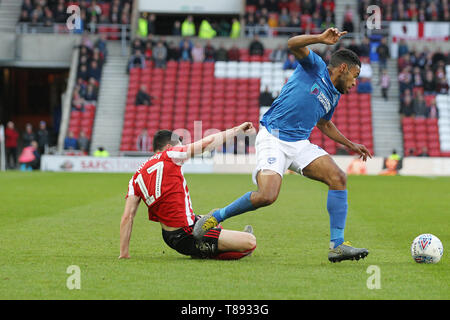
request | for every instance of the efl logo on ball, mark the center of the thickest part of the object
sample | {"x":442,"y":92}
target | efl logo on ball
{"x":427,"y":248}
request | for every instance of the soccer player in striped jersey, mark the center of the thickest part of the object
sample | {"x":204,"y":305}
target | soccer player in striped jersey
{"x":160,"y":184}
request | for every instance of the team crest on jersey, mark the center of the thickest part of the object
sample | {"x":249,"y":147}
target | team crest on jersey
{"x":315,"y":89}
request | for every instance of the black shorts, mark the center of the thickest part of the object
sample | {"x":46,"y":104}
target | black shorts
{"x":183,"y":242}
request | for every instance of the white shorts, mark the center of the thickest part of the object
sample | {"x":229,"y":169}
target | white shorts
{"x":278,"y":155}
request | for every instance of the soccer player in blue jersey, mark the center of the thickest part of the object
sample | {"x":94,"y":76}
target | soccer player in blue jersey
{"x":308,"y":99}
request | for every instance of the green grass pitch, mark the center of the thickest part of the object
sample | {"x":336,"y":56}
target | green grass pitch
{"x":50,"y":221}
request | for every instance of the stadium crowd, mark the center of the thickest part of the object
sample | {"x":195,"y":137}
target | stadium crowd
{"x":48,"y":12}
{"x":92,"y":56}
{"x":421,"y":77}
{"x":408,"y":10}
{"x":311,"y":16}
{"x":31,"y":144}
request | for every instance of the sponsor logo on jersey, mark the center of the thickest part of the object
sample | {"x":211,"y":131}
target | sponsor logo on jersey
{"x":315,"y":90}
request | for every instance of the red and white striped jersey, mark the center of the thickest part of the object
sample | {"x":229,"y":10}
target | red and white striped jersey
{"x":160,"y":183}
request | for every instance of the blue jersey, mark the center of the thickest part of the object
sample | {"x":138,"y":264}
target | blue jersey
{"x":308,"y":96}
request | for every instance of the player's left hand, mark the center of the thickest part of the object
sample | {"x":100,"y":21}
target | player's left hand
{"x":246,"y":127}
{"x":360,"y":149}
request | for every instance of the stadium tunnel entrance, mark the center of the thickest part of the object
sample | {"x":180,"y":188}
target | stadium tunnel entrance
{"x":31,"y":95}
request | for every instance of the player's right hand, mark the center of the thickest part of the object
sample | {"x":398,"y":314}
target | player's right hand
{"x":331,"y":36}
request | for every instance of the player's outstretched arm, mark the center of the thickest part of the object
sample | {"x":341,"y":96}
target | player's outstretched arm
{"x":126,"y":225}
{"x":298,"y":44}
{"x":330,"y":130}
{"x":212,"y":141}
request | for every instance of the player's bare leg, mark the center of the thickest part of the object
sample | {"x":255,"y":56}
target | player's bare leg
{"x":235,"y":245}
{"x":269,"y":184}
{"x":324,"y":169}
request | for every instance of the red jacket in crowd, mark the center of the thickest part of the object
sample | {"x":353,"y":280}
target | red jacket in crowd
{"x":11,"y":137}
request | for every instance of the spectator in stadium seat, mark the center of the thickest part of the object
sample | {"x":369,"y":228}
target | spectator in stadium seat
{"x":137,"y":45}
{"x":70,"y":142}
{"x":185,"y":52}
{"x":91,"y":93}
{"x":256,"y":47}
{"x":43,"y":138}
{"x":442,"y":86}
{"x":29,"y":158}
{"x":24,"y":16}
{"x":142,"y":97}
{"x":160,"y":55}
{"x":148,"y":51}
{"x":83,"y":73}
{"x":250,"y":25}
{"x":354,"y":47}
{"x":210,"y":52}
{"x":432,"y":110}
{"x":348,"y":19}
{"x":417,"y":79}
{"x":176,"y":30}
{"x":234,"y":53}
{"x":405,"y":79}
{"x":83,"y":142}
{"x":290,"y":63}
{"x":420,"y":108}
{"x":173,"y":53}
{"x":151,"y":25}
{"x":423,"y":152}
{"x":28,"y":135}
{"x":265,"y":98}
{"x":11,"y":137}
{"x":429,"y":83}
{"x":198,"y":52}
{"x":27,"y":6}
{"x":95,"y":71}
{"x":284,"y":19}
{"x":364,"y":86}
{"x":137,"y":60}
{"x":364,"y":48}
{"x":262,"y":28}
{"x":402,"y":48}
{"x":383,"y":53}
{"x":279,"y":54}
{"x":385,"y":82}
{"x":221,"y":53}
{"x":143,"y":142}
{"x":406,"y":105}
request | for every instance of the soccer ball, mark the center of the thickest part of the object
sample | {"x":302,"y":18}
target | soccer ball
{"x":427,"y":248}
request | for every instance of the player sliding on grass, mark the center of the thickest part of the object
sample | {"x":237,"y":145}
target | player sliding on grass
{"x":160,"y":183}
{"x":308,"y":99}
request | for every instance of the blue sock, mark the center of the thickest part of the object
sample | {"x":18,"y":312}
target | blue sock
{"x":239,"y":206}
{"x":337,"y":206}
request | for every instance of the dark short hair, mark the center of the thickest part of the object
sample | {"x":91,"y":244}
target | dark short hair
{"x":344,"y":56}
{"x":164,"y":137}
